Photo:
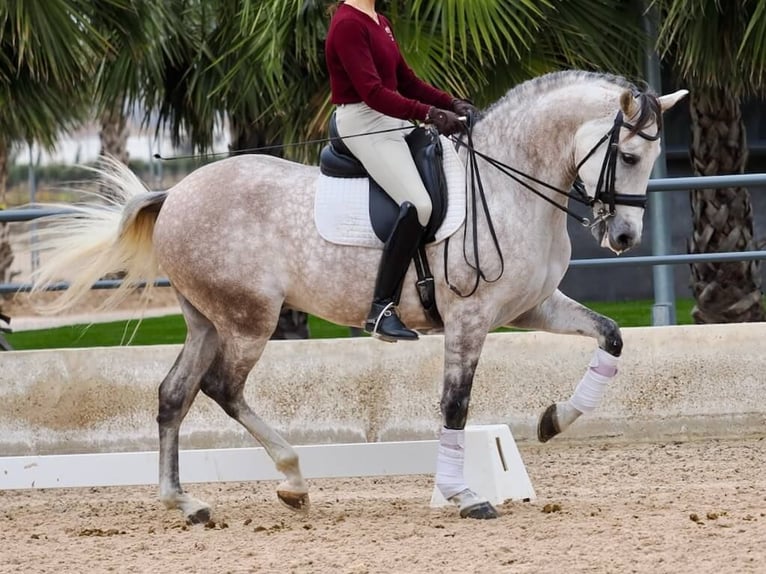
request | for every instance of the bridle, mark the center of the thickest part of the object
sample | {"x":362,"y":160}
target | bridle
{"x":605,"y":199}
{"x":606,"y":195}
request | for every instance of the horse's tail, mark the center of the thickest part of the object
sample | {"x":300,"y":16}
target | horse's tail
{"x":93,"y":240}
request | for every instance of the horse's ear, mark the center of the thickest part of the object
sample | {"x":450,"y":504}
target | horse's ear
{"x":628,"y":104}
{"x":669,"y":100}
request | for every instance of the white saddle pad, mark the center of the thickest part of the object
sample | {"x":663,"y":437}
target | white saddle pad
{"x":342,"y":205}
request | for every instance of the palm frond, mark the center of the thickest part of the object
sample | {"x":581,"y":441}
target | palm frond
{"x":715,"y":44}
{"x":47,"y":55}
{"x":753,"y":48}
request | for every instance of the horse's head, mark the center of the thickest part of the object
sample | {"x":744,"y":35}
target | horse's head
{"x":614,"y":158}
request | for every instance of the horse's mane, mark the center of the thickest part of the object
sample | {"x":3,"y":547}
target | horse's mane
{"x":650,"y":111}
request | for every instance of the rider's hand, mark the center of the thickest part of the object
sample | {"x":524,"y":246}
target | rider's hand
{"x":464,"y":108}
{"x":445,"y":121}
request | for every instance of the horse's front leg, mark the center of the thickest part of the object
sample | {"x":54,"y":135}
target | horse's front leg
{"x":560,"y":314}
{"x":463,"y":341}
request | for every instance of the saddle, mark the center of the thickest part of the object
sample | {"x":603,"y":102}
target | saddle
{"x":336,"y":160}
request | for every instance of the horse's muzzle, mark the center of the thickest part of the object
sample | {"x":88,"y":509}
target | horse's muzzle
{"x":616,"y":235}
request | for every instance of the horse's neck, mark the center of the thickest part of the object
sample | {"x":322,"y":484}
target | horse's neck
{"x":538,"y":139}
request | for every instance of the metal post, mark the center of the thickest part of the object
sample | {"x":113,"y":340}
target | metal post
{"x":34,"y":253}
{"x":664,"y":309}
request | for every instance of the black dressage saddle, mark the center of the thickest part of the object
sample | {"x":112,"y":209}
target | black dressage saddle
{"x":336,"y":160}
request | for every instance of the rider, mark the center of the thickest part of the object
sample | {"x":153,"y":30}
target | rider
{"x":375,"y":91}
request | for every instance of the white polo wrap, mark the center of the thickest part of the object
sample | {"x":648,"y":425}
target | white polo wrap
{"x":591,"y":388}
{"x":450,"y":461}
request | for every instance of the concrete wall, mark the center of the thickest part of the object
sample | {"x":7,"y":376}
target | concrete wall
{"x":674,"y":383}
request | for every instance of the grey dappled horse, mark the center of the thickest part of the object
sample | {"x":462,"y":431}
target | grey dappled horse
{"x":237,"y":240}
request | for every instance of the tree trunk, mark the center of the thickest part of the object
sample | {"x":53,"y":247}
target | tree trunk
{"x":6,"y":253}
{"x":246,"y":137}
{"x":722,"y":218}
{"x":249,"y":137}
{"x":114,"y":140}
{"x":114,"y":134}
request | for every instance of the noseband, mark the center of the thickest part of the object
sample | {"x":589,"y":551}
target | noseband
{"x":606,"y":195}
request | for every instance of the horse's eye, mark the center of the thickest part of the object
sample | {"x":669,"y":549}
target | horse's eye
{"x":629,"y":158}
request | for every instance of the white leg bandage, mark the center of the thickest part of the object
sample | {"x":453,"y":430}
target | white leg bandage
{"x":449,"y":462}
{"x":590,"y":390}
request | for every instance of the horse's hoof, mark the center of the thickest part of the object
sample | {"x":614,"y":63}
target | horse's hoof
{"x":547,"y":427}
{"x":201,"y":516}
{"x":481,"y":511}
{"x":297,"y":501}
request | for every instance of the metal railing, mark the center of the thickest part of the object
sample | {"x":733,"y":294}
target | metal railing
{"x":655,"y":186}
{"x":685,"y":184}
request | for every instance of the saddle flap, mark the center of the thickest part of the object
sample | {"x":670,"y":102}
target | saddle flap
{"x":427,"y":153}
{"x":426,"y":148}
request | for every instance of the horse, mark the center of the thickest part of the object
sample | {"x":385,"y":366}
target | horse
{"x":237,"y":240}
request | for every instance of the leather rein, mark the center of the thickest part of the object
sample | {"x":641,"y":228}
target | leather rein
{"x":606,"y":194}
{"x":605,"y":198}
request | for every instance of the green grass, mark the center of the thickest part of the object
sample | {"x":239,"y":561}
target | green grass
{"x":172,"y":329}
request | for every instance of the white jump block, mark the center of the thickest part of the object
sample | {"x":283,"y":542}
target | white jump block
{"x":493,"y":466}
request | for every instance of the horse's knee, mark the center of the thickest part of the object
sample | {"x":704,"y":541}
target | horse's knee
{"x":610,"y":335}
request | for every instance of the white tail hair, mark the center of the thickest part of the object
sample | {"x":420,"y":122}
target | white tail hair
{"x":93,"y":240}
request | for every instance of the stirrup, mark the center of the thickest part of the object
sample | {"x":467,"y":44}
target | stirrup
{"x":386,"y":312}
{"x":395,"y":332}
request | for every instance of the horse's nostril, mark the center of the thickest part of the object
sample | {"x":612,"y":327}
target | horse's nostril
{"x":625,"y":240}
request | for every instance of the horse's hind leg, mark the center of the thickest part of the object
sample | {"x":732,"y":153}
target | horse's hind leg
{"x":176,"y":395}
{"x":560,"y":314}
{"x":225,"y":381}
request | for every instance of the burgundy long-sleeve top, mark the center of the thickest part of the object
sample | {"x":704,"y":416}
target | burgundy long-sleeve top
{"x":365,"y":65}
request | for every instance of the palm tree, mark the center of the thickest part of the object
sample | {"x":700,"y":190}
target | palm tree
{"x":261,"y":62}
{"x":47,"y":49}
{"x":719,"y":50}
{"x":133,"y":58}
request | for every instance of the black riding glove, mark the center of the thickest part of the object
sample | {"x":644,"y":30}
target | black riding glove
{"x":445,"y":121}
{"x":464,"y":108}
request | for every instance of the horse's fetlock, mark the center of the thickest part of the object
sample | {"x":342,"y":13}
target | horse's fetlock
{"x":613,"y":345}
{"x":455,"y":411}
{"x":288,"y":463}
{"x":611,"y":337}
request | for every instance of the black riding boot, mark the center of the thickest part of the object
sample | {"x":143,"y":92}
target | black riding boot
{"x":383,"y":321}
